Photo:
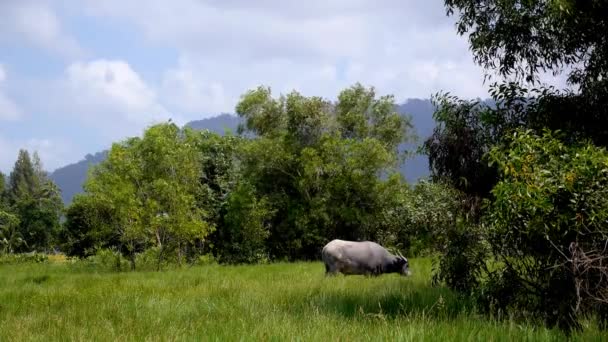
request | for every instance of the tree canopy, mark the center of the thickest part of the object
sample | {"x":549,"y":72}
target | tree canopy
{"x":523,"y":38}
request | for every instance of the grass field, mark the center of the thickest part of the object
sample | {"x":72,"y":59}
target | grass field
{"x":266,"y":302}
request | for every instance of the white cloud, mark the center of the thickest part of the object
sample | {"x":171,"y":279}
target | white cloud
{"x":408,"y":49}
{"x":224,"y":48}
{"x":36,"y":23}
{"x":111,"y":96}
{"x":113,"y":83}
{"x":193,"y":93}
{"x":8,"y":109}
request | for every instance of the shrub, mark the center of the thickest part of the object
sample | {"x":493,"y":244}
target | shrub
{"x":242,"y":237}
{"x":546,"y":229}
{"x":108,"y":259}
{"x":416,"y":220}
{"x":463,"y":258}
{"x":22,"y":258}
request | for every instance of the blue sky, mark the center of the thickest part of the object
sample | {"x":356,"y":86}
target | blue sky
{"x":77,"y":75}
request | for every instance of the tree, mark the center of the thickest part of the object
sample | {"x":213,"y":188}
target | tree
{"x":522,"y":38}
{"x":318,"y":164}
{"x":152,"y":186}
{"x":23,"y":178}
{"x":466,"y":130}
{"x":89,"y":225}
{"x":242,"y":235}
{"x":3,"y":192}
{"x":36,"y":201}
{"x":529,"y":222}
{"x":2,"y":184}
{"x":10,"y":238}
{"x":546,"y":229}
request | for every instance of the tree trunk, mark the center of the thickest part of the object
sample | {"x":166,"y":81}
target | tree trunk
{"x":132,"y":260}
{"x":179,"y":254}
{"x":161,"y":249}
{"x":160,"y":257}
{"x":132,"y":255}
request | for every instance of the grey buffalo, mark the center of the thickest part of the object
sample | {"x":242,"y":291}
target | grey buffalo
{"x":361,"y":257}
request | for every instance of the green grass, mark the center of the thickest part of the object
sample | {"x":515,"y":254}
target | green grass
{"x":266,"y":302}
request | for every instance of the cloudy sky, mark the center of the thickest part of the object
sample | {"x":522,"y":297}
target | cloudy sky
{"x":76,"y":75}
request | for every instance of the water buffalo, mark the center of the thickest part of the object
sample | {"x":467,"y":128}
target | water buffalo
{"x":361,"y":257}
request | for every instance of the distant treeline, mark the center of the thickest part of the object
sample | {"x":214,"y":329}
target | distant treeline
{"x":316,"y":170}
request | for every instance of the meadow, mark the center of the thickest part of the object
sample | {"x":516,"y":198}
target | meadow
{"x":281,"y":301}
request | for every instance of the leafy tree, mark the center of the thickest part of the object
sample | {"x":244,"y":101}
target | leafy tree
{"x":89,"y":226}
{"x":36,"y":201}
{"x":523,"y":222}
{"x":23,"y":178}
{"x":546,"y":228}
{"x":10,"y":237}
{"x":245,"y":227}
{"x":318,"y":164}
{"x":3,"y":192}
{"x":2,"y":184}
{"x":417,"y":219}
{"x":219,"y":172}
{"x":522,"y":38}
{"x":151,"y":185}
{"x":113,"y":184}
{"x":466,"y":130}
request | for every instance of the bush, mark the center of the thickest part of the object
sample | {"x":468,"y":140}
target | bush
{"x":416,"y":220}
{"x":23,"y":258}
{"x":242,"y":237}
{"x":546,"y":229}
{"x":463,"y":257}
{"x":149,"y":260}
{"x":204,"y":260}
{"x":108,"y":259}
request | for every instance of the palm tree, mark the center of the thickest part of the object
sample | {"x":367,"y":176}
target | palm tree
{"x":10,"y":237}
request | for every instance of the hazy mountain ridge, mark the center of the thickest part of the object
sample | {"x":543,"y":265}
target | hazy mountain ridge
{"x":70,"y":178}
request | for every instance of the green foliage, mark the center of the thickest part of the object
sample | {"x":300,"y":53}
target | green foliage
{"x":89,"y":225}
{"x":318,"y":165}
{"x":23,"y":180}
{"x":416,"y":220}
{"x":242,"y":238}
{"x":10,"y":237}
{"x":36,"y":201}
{"x":521,"y":257}
{"x":464,"y":257}
{"x":551,"y":202}
{"x":465,"y":132}
{"x":23,"y":258}
{"x":109,"y":259}
{"x":152,"y":187}
{"x":524,"y":38}
{"x":219,"y":171}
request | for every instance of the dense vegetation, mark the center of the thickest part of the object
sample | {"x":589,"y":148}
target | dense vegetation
{"x":515,"y":213}
{"x":314,"y":170}
{"x":531,"y":165}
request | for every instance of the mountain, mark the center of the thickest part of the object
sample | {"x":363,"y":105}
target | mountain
{"x":70,"y":178}
{"x":219,"y":124}
{"x":421,"y":112}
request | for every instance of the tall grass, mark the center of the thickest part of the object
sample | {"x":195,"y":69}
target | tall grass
{"x":267,"y":302}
